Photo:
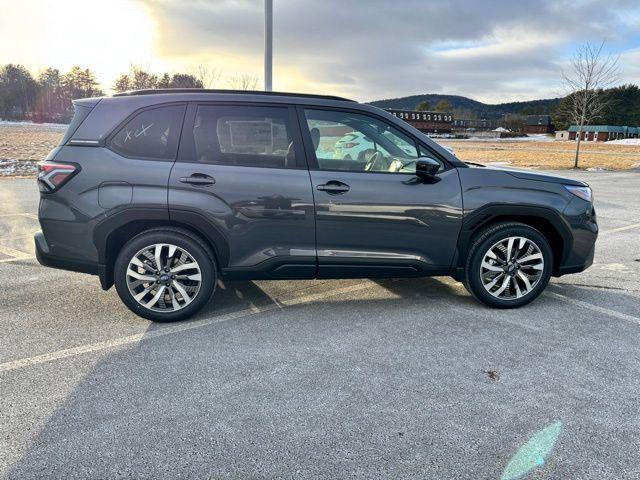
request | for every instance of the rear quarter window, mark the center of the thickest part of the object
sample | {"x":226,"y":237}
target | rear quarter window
{"x":151,"y":134}
{"x":80,"y":113}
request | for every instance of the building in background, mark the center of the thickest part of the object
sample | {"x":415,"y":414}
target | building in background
{"x":475,"y":127}
{"x":431,"y":123}
{"x":539,"y":124}
{"x":472,"y":124}
{"x":562,"y":134}
{"x":603,"y":133}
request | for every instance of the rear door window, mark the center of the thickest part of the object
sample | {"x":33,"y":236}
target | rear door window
{"x":151,"y":134}
{"x":247,"y":136}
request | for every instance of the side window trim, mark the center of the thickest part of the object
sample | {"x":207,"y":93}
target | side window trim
{"x":187,"y":150}
{"x":310,"y":151}
{"x":173,"y":140}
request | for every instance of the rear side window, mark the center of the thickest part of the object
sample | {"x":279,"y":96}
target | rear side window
{"x":248,"y":136}
{"x":80,"y":113}
{"x":151,"y":134}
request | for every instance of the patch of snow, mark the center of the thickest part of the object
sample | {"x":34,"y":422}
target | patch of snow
{"x":32,"y":124}
{"x":501,"y":129}
{"x":18,"y":168}
{"x":530,"y":138}
{"x":625,"y":141}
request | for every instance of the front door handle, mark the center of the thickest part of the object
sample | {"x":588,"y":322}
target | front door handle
{"x":334,"y":187}
{"x":199,"y":179}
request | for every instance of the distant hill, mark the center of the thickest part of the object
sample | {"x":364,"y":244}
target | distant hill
{"x":469,"y":108}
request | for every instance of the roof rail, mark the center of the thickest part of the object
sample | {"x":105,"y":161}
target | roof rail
{"x":244,"y":92}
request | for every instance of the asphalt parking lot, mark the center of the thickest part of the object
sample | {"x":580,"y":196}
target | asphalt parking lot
{"x":324,"y":379}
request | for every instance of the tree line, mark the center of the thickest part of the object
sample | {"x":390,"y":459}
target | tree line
{"x":47,"y":96}
{"x":621,"y":106}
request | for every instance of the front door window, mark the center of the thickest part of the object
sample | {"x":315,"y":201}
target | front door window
{"x":356,"y":142}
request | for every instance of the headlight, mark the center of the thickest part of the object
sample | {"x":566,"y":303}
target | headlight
{"x":582,"y":192}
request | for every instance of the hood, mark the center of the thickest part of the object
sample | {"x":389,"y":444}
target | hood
{"x":539,"y":177}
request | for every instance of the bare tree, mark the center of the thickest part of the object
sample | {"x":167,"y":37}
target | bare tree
{"x":591,"y":73}
{"x":243,"y":82}
{"x":208,"y":76}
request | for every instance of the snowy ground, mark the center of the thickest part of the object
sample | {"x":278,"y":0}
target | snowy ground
{"x":625,"y":141}
{"x":530,"y":138}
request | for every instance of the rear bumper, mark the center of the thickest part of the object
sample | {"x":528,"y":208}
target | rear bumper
{"x":46,"y":258}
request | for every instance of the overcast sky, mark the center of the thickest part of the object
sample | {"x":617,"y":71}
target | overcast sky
{"x":493,"y":51}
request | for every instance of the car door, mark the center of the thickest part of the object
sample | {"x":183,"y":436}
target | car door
{"x":374,"y":217}
{"x":241,"y":176}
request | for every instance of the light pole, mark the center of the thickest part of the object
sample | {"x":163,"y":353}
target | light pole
{"x":268,"y":43}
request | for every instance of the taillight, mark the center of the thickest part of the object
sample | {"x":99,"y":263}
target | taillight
{"x":351,"y":144}
{"x":52,"y":176}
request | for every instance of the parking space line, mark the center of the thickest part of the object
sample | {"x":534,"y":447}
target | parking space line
{"x":596,"y":308}
{"x":622,"y":229}
{"x":17,"y":237}
{"x":182,"y":327}
{"x":7,"y":260}
{"x":29,"y":215}
{"x":16,"y":254}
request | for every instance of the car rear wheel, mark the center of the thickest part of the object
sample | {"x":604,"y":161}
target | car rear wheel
{"x":509,"y":265}
{"x":165,"y":275}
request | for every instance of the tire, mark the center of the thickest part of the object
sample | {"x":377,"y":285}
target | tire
{"x":186,"y":287}
{"x":499,"y":283}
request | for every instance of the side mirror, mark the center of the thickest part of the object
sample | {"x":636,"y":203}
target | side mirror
{"x":427,"y":168}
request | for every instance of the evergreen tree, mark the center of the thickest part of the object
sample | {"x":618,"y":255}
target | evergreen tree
{"x":423,"y":106}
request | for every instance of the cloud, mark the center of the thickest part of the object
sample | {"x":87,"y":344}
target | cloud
{"x":490,"y":50}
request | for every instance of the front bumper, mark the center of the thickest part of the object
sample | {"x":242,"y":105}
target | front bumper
{"x":581,"y":217}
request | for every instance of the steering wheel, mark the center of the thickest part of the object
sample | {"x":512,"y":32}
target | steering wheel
{"x":375,"y":163}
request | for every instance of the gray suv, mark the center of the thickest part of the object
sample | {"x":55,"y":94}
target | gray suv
{"x":164,"y":192}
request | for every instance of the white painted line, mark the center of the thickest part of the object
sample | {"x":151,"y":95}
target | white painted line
{"x":8,"y":260}
{"x":29,"y":215}
{"x":17,"y":237}
{"x":16,"y":254}
{"x":596,"y":308}
{"x":177,"y":328}
{"x":622,"y":229}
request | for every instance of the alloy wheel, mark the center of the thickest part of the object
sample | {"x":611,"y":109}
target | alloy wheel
{"x":163,"y":277}
{"x":511,"y":268}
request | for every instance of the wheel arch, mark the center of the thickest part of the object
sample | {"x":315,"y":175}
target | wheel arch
{"x":115,"y":231}
{"x":546,"y":220}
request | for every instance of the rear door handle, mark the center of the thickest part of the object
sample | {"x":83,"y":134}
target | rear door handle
{"x":199,"y":179}
{"x":334,"y":187}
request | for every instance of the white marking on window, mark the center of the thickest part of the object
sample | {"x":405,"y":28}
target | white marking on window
{"x":143,"y":131}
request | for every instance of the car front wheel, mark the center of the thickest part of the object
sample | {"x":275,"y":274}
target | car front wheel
{"x":165,"y":275}
{"x":509,"y":265}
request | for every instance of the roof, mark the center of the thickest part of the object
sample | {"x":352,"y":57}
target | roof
{"x":601,"y":128}
{"x":158,"y":91}
{"x":539,"y":120}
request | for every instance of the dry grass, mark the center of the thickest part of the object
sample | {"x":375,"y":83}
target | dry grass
{"x":28,"y":141}
{"x":547,"y":155}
